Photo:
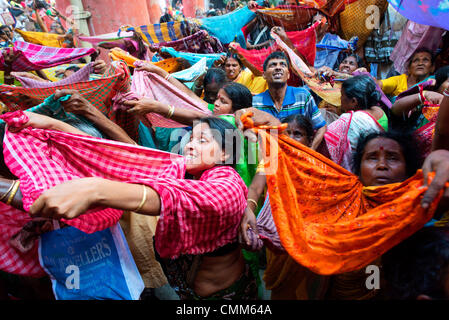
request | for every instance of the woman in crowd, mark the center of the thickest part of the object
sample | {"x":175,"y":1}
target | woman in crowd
{"x":217,"y":270}
{"x":359,"y":102}
{"x":420,"y":67}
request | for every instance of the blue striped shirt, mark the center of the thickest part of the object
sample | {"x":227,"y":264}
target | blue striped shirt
{"x":296,"y":101}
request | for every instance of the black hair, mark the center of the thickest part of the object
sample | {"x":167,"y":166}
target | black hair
{"x":275,"y":55}
{"x":227,"y":136}
{"x":418,"y":265}
{"x":240,"y":95}
{"x":236,"y":57}
{"x":214,"y":75}
{"x":2,"y":27}
{"x":363,"y":89}
{"x":441,"y":75}
{"x":302,"y":122}
{"x":166,"y":18}
{"x":420,"y":50}
{"x":405,"y":141}
{"x":359,"y":60}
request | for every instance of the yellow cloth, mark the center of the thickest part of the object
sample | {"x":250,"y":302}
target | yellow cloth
{"x":393,"y":86}
{"x":42,"y":38}
{"x":139,"y":231}
{"x":51,"y":73}
{"x":353,"y":19}
{"x":255,"y":84}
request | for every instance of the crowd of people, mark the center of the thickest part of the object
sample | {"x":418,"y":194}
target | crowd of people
{"x":270,"y":169}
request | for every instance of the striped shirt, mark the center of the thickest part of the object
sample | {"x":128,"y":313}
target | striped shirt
{"x":296,"y":101}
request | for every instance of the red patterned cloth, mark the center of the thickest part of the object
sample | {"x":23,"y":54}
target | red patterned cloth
{"x":99,"y":92}
{"x":35,"y":57}
{"x":304,"y":41}
{"x":197,"y":216}
{"x":13,"y":260}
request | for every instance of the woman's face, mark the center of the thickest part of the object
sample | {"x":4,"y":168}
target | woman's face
{"x":347,"y":103}
{"x":232,"y":68}
{"x":223,"y":104}
{"x":202,"y":152}
{"x":421,"y":65}
{"x":298,"y":133}
{"x":443,"y":86}
{"x":382,"y":163}
{"x":348,"y":65}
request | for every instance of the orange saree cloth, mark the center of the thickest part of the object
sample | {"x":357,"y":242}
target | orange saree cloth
{"x":326,"y":219}
{"x":170,"y":65}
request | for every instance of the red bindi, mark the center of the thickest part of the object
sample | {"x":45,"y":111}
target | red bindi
{"x":381,"y":148}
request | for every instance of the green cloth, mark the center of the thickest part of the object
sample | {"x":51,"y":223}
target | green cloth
{"x":383,"y":121}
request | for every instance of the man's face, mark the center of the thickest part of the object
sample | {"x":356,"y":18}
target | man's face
{"x":276,"y":71}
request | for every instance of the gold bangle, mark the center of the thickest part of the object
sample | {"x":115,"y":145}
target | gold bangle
{"x":255,"y":203}
{"x":13,"y":192}
{"x":171,"y":110}
{"x":9,"y":190}
{"x":144,"y":199}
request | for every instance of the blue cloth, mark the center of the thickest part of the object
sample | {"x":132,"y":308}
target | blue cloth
{"x":90,"y":266}
{"x":296,"y":101}
{"x":192,"y":73}
{"x":328,"y":49}
{"x":427,"y":12}
{"x":145,"y":137}
{"x":193,"y":58}
{"x":227,"y":27}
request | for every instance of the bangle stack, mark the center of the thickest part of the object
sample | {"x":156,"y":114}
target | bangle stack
{"x":446,"y":92}
{"x":11,"y":191}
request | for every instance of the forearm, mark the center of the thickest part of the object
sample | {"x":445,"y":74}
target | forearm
{"x":180,"y":115}
{"x":318,"y":137}
{"x":441,"y":137}
{"x":404,"y":105}
{"x":250,"y":66}
{"x":129,"y":198}
{"x":256,"y":188}
{"x":109,"y":128}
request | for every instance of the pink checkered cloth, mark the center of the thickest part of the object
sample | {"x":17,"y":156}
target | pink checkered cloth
{"x":80,"y":75}
{"x":151,"y":85}
{"x":13,"y":260}
{"x":197,"y":216}
{"x":35,"y":57}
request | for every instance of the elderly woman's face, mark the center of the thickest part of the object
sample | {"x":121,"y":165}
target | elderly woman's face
{"x":203,"y":151}
{"x":348,"y":65}
{"x":421,"y":65}
{"x":383,"y":162}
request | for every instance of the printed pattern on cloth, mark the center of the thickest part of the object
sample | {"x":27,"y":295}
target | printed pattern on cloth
{"x":193,"y":58}
{"x":164,"y":32}
{"x":35,"y":57}
{"x":323,"y":89}
{"x":80,"y":75}
{"x":326,"y":220}
{"x":98,"y":92}
{"x":150,"y":85}
{"x":304,"y":42}
{"x":203,"y":214}
{"x":196,"y":43}
{"x":12,"y":260}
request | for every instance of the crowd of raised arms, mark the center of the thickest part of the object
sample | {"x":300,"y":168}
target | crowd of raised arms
{"x":234,"y":155}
